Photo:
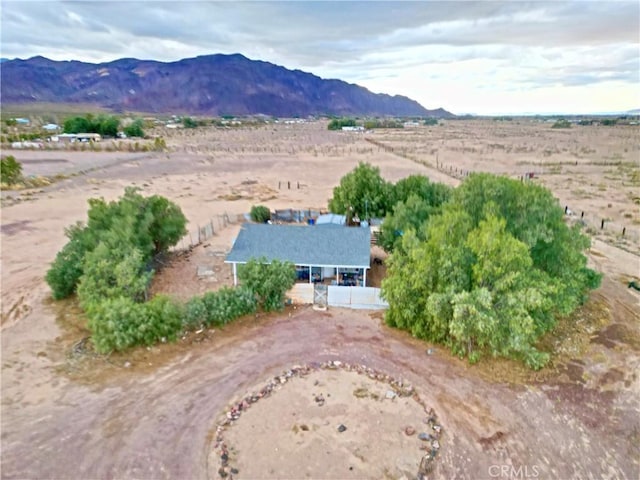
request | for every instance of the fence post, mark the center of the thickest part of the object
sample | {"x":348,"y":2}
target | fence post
{"x":624,"y":229}
{"x":288,"y":185}
{"x":278,"y":185}
{"x":602,"y":224}
{"x":565,"y":209}
{"x":582,"y":215}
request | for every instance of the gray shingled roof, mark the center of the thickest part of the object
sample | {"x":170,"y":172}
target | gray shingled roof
{"x":303,"y":245}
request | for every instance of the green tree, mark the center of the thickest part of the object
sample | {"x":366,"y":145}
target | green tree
{"x":435,"y":194}
{"x":411,"y":214}
{"x":148,"y":225}
{"x":106,"y":125}
{"x":338,"y":123}
{"x":67,"y":268}
{"x":10,"y":170}
{"x":268,"y":281}
{"x":134,"y":129}
{"x":189,"y":122}
{"x":363,"y":192}
{"x":113,"y":270}
{"x":260,"y":214}
{"x":77,"y":125}
{"x":490,"y":273}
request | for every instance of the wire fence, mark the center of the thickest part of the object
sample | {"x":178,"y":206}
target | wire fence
{"x":622,"y":235}
{"x":208,"y":230}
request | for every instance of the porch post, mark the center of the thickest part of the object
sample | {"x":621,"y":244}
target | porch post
{"x":310,"y":274}
{"x":338,"y":276}
{"x":235,"y":275}
{"x":364,"y":277}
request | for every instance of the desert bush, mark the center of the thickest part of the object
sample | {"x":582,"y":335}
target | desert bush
{"x":120,"y":323}
{"x":159,"y":144}
{"x":10,"y":170}
{"x":561,"y":123}
{"x":195,"y":313}
{"x":260,"y":214}
{"x":227,"y":304}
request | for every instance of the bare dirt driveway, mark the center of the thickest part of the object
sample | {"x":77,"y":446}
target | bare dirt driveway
{"x":153,"y":413}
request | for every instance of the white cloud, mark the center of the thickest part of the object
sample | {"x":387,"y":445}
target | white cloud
{"x":483,"y":57}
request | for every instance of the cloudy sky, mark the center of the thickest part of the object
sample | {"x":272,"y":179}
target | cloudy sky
{"x":468,"y":57}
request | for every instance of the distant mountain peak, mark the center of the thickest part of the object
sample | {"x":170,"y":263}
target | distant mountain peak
{"x":213,"y":84}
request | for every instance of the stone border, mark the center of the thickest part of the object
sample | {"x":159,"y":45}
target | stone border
{"x":400,"y":389}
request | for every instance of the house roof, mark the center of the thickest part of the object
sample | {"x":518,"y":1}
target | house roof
{"x":303,"y":245}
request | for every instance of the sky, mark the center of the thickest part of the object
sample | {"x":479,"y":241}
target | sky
{"x":485,"y":57}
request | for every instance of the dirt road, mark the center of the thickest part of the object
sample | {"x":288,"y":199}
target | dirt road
{"x":156,"y":422}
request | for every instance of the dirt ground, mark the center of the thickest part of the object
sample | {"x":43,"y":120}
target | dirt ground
{"x":153,"y":413}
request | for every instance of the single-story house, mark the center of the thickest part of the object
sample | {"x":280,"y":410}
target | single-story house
{"x":338,"y":256}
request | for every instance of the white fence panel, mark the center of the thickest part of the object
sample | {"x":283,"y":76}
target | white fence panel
{"x":339,"y":296}
{"x":346,"y":297}
{"x":367,"y":297}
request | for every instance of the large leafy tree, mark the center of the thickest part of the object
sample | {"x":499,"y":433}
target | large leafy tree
{"x":415,"y":200}
{"x":490,"y":273}
{"x":146,"y":225}
{"x":362,"y":192}
{"x":435,"y":194}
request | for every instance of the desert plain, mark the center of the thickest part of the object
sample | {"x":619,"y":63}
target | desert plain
{"x":154,"y":412}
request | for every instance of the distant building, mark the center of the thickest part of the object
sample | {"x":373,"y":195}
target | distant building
{"x":358,"y":128}
{"x":51,"y":127}
{"x":23,"y":121}
{"x":88,"y":137}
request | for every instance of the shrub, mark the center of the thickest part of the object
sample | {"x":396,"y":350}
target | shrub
{"x":269,"y":282}
{"x":195,"y":313}
{"x":227,"y":304}
{"x":135,"y":129}
{"x":68,"y":266}
{"x":120,"y":323}
{"x":260,"y":214}
{"x":10,"y":170}
{"x":149,"y":225}
{"x":561,"y":123}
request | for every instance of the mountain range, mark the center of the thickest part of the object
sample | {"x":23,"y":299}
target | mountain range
{"x":205,"y":85}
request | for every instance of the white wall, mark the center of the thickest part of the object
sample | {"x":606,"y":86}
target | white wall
{"x":301,"y":293}
{"x":347,"y":297}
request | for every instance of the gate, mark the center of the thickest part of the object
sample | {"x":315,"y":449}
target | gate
{"x":320,"y":295}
